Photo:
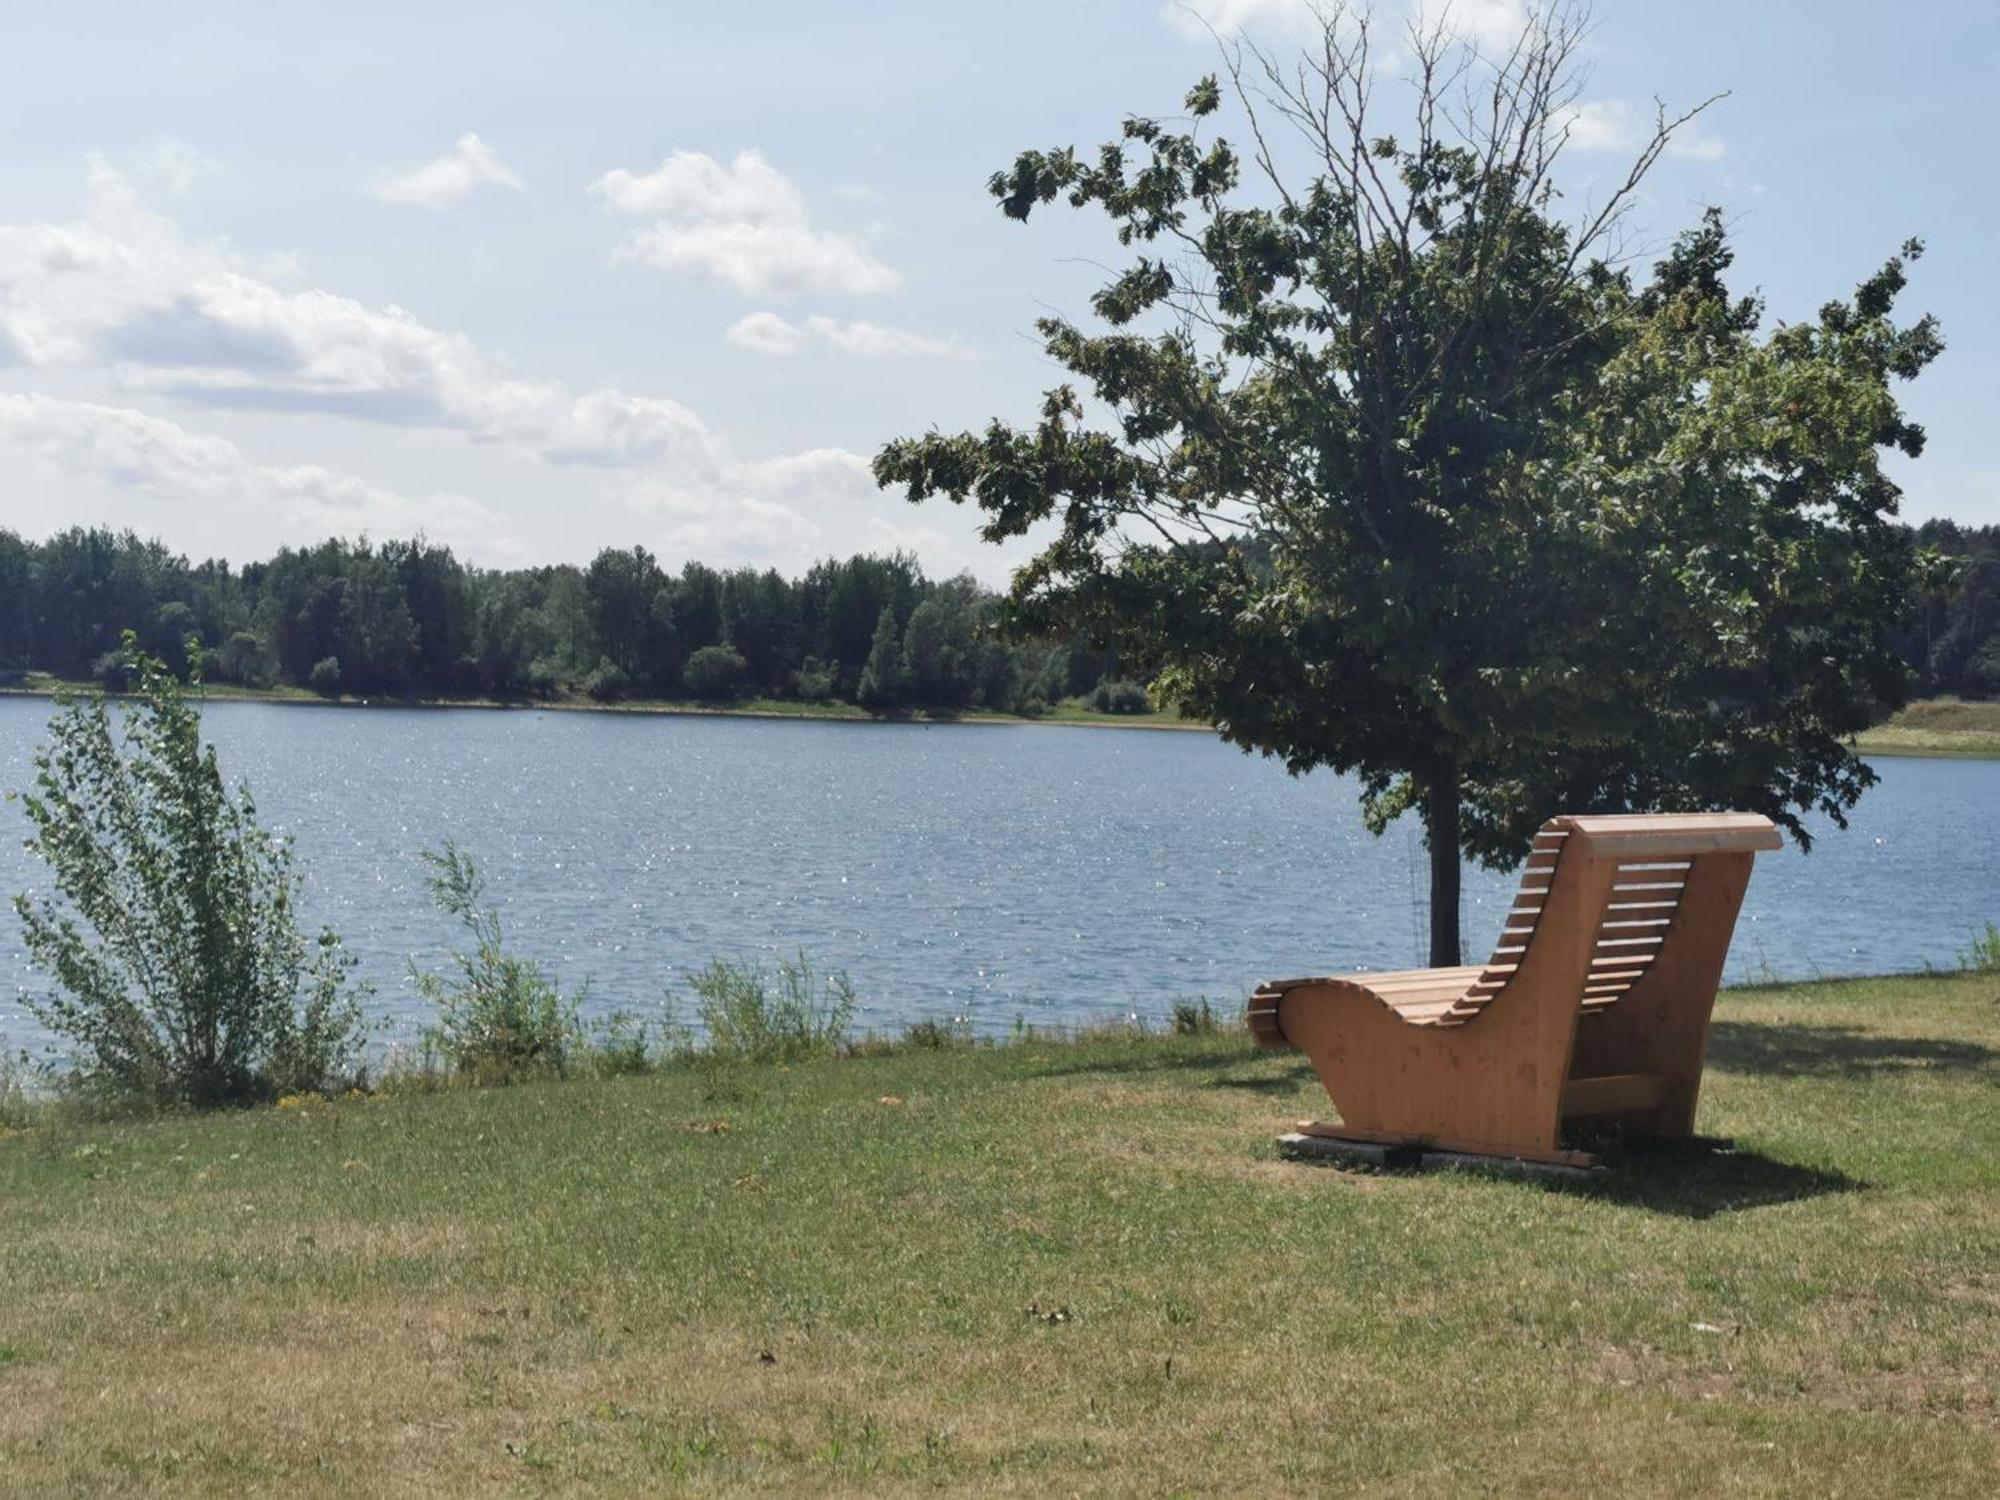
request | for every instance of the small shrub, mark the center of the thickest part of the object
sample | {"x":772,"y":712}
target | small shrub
{"x":502,"y":1016}
{"x":607,"y":684}
{"x":172,"y":937}
{"x":17,"y":1104}
{"x":790,"y":1016}
{"x":714,"y":673}
{"x":243,"y":659}
{"x":1983,"y":957}
{"x":1195,"y":1018}
{"x":111,"y":671}
{"x":815,"y":681}
{"x":324,"y":678}
{"x":622,"y":1046}
{"x":543,"y":678}
{"x":1121,"y":698}
{"x":932,"y":1035}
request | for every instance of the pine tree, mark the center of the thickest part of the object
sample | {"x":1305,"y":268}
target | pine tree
{"x":883,"y":683}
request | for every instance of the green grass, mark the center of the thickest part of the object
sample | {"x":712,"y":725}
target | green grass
{"x":1032,"y":1269}
{"x":1938,"y":726}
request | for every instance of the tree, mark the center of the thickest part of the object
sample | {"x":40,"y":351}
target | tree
{"x":435,"y":591}
{"x":715,"y":673}
{"x":940,"y":662}
{"x":378,"y":639}
{"x":883,"y":685}
{"x":172,"y":934}
{"x":17,"y":592}
{"x":760,"y":620}
{"x":1408,"y":478}
{"x":631,"y":617}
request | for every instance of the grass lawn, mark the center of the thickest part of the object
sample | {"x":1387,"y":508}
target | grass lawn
{"x":1042,"y":1268}
{"x":1938,"y":726}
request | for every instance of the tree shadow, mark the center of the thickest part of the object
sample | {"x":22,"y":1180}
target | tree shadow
{"x":1266,"y":1083}
{"x":1816,"y":1050}
{"x":1206,"y":1055}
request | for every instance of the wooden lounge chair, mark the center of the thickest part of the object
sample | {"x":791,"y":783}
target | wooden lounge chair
{"x":1594,"y":1005}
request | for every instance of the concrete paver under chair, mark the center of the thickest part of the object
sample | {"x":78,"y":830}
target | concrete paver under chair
{"x":1595,"y":1004}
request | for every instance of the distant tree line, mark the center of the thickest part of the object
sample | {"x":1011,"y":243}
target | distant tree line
{"x":1954,"y":639}
{"x":408,"y":618}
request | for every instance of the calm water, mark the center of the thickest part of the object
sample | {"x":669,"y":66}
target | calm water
{"x":985,"y":872}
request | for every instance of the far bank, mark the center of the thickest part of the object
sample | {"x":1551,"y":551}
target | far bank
{"x":1952,"y":727}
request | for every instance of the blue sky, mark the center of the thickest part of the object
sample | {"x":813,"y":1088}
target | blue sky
{"x":540,"y":280}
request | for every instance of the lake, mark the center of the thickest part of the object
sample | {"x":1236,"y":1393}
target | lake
{"x":985,"y":872}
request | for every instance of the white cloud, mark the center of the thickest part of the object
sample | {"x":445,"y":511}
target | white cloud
{"x":694,"y":185}
{"x":449,"y":179}
{"x":1199,"y":20}
{"x":744,"y":223}
{"x":123,"y":299}
{"x":767,"y":333}
{"x":1490,"y":25}
{"x":777,"y":510}
{"x":1692,"y":143}
{"x":131,"y":449}
{"x":873,"y":341}
{"x":124,"y":292}
{"x":122,"y":446}
{"x":1619,"y":125}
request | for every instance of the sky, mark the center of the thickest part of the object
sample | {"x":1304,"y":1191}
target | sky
{"x":538,"y":280}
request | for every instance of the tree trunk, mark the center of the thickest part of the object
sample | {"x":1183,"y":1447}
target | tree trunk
{"x":1441,"y":834}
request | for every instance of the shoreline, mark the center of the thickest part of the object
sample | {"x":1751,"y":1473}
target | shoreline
{"x":1887,"y":740}
{"x":756,"y":708}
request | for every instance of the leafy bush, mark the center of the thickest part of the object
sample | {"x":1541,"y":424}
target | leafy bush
{"x":1121,"y":698}
{"x":815,"y":681}
{"x":714,"y":672}
{"x":243,"y":659}
{"x":787,"y":1017}
{"x":502,"y":1016}
{"x":110,"y":672}
{"x":607,"y":684}
{"x":325,"y":676}
{"x":181,"y":974}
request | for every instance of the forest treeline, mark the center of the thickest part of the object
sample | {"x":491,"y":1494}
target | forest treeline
{"x":408,"y":618}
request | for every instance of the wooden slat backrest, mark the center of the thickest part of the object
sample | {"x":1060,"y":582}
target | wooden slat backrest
{"x":1518,"y":930}
{"x":1652,"y":856}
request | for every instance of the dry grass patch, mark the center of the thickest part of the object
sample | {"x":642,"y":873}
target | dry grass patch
{"x":1937,"y":726}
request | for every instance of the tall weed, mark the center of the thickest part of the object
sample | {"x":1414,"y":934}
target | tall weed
{"x":788,"y":1015}
{"x":501,"y":1016}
